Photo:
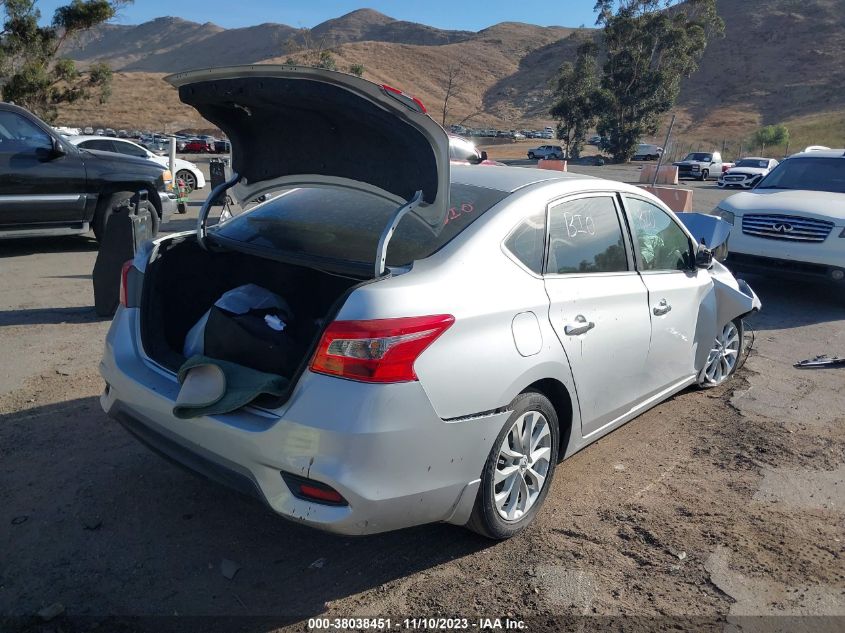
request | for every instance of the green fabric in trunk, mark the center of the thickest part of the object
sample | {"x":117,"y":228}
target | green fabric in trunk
{"x":211,"y":386}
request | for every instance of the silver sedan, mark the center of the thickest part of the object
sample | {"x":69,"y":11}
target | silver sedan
{"x":456,"y":331}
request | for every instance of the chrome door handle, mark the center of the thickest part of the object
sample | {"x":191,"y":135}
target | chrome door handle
{"x":662,"y":308}
{"x":579,"y":326}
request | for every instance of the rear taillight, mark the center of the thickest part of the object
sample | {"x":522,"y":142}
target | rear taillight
{"x":381,"y":350}
{"x":124,"y":283}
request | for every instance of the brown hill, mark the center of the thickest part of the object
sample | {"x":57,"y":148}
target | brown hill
{"x":122,"y":46}
{"x":780,"y":60}
{"x":173,"y":45}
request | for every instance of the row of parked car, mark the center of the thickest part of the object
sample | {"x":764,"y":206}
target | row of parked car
{"x":517,"y":135}
{"x":156,"y":141}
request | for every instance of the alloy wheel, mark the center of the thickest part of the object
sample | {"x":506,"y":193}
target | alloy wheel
{"x":189,"y":179}
{"x":522,"y":465}
{"x":724,"y":355}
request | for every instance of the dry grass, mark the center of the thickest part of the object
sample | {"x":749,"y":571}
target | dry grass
{"x":139,"y":100}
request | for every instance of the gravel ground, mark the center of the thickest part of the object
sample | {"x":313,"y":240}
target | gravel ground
{"x":714,"y":506}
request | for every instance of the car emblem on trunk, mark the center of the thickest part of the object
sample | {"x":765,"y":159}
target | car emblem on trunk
{"x":782,"y":227}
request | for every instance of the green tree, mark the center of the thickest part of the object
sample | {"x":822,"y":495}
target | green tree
{"x":357,"y":70}
{"x":326,"y":61}
{"x":649,"y":48}
{"x":770,"y":136}
{"x":33,"y":74}
{"x":576,"y":97}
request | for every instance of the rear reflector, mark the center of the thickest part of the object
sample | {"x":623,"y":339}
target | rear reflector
{"x":381,"y":350}
{"x":311,"y":490}
{"x":124,"y":283}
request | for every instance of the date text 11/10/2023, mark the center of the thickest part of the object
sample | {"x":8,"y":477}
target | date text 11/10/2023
{"x":415,"y":624}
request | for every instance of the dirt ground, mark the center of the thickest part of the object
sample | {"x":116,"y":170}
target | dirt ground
{"x":707,"y":512}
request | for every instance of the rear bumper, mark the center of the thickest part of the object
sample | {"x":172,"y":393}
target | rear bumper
{"x":380,"y":446}
{"x":741,"y":262}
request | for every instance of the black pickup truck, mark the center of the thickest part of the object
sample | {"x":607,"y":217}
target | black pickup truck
{"x":50,"y":187}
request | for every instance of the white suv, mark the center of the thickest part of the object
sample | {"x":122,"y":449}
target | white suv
{"x":793,"y":222}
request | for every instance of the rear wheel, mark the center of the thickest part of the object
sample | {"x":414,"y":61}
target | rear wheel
{"x":188,"y":178}
{"x":531,"y":156}
{"x":519,"y":469}
{"x":724,"y":356}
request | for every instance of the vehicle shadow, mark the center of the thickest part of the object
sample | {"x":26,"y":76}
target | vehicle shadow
{"x":162,"y":533}
{"x":50,"y":316}
{"x":39,"y":245}
{"x":789,"y":304}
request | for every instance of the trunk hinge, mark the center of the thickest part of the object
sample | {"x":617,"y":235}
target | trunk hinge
{"x":202,"y":218}
{"x":387,"y":234}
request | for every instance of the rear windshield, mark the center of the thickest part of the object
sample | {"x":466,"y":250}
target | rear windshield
{"x":807,"y":174}
{"x":346,"y":225}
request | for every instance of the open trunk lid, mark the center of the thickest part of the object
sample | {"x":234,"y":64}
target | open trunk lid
{"x":297,"y":126}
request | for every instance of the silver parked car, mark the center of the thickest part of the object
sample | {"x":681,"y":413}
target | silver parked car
{"x":546,"y":152}
{"x":458,"y":331}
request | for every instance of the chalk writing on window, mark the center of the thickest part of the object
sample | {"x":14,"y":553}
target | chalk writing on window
{"x":579,"y":224}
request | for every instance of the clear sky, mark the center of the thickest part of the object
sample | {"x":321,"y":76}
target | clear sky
{"x":472,"y":15}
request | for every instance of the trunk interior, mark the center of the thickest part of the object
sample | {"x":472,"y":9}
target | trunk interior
{"x":183,"y":281}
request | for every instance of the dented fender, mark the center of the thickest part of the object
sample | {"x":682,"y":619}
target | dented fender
{"x":734,"y":297}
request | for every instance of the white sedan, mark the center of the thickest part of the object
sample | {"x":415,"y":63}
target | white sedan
{"x":186,"y":171}
{"x":747,"y":172}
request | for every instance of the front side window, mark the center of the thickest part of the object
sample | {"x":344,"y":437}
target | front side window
{"x":17,"y":134}
{"x":660,"y":243}
{"x":585,"y":236}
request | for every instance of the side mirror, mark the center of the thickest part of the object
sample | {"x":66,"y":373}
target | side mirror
{"x":703,"y":257}
{"x":57,"y":149}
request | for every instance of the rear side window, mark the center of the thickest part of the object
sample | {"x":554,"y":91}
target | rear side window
{"x":131,"y":150}
{"x":345,"y":225}
{"x":585,"y":236}
{"x":102,"y":145}
{"x":528,"y":240}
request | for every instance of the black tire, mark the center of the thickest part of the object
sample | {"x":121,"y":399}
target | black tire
{"x":485,"y":519}
{"x":115,"y":201}
{"x":705,"y":174}
{"x":531,"y":156}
